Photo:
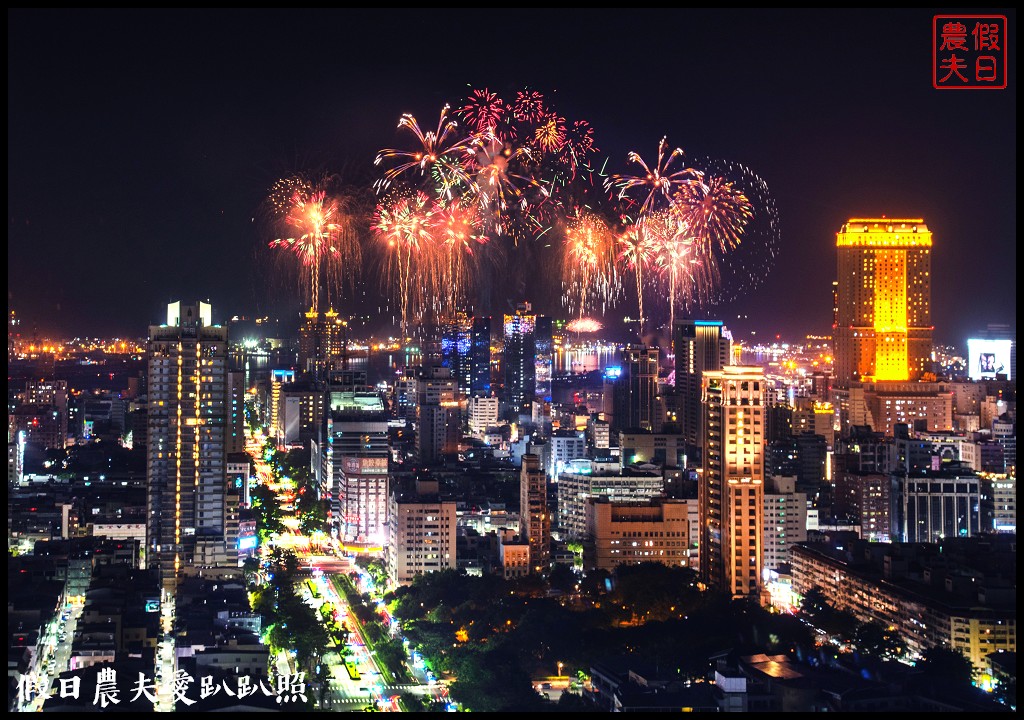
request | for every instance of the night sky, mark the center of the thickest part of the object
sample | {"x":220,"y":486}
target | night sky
{"x":141,"y":143}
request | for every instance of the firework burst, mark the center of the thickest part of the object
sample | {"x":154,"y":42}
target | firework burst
{"x":584,"y":325}
{"x":657,"y":183}
{"x":588,"y":261}
{"x":637,"y":249}
{"x":715,"y":214}
{"x":674,"y":260}
{"x":550,"y":134}
{"x":484,"y":111}
{"x":325,"y":241}
{"x":405,"y":225}
{"x":457,"y":236}
{"x":528,"y":106}
{"x":442,"y":155}
{"x":579,"y":145}
{"x":498,"y":180}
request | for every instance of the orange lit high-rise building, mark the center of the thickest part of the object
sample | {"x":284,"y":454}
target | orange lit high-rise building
{"x":730,"y":494}
{"x":883,"y":327}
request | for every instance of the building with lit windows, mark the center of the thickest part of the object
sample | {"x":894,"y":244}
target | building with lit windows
{"x":299,"y":413}
{"x":954,"y":594}
{"x":483,"y":413}
{"x":519,"y":358}
{"x":534,"y":515}
{"x":421,"y":532}
{"x":438,"y":414}
{"x":635,"y":391}
{"x":354,"y":465}
{"x":630,"y":533}
{"x":929,"y":506}
{"x":236,"y":412}
{"x":566,"y":446}
{"x":513,"y":555}
{"x":186,"y":464}
{"x":891,"y":403}
{"x":279,"y":379}
{"x":998,"y":503}
{"x":731,"y":491}
{"x":883,"y":327}
{"x":663,"y":449}
{"x":785,"y":520}
{"x":863,"y":497}
{"x":322,"y":338}
{"x":480,"y":357}
{"x":699,"y":345}
{"x":456,"y":346}
{"x":588,"y":479}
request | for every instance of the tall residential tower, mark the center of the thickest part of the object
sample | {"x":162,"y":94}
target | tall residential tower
{"x":731,"y":491}
{"x":188,"y":500}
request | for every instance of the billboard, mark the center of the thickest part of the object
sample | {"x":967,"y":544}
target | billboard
{"x":988,"y":358}
{"x":364,"y":466}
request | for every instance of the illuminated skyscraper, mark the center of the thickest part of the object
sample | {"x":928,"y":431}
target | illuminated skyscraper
{"x":883,"y":327}
{"x":699,"y":345}
{"x":456,"y":345}
{"x":480,"y":357}
{"x":519,"y":359}
{"x":731,"y":491}
{"x":186,"y":469}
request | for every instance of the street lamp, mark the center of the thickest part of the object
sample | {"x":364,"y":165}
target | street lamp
{"x":560,"y":669}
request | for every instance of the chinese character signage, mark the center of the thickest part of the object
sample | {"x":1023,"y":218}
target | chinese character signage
{"x":969,"y":52}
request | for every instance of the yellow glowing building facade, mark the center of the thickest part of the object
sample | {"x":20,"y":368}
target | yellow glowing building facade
{"x":883,"y":327}
{"x":730,"y":495}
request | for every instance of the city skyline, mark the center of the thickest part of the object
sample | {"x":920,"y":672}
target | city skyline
{"x":167,"y":159}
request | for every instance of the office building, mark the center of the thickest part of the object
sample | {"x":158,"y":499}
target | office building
{"x":584,"y":480}
{"x":998,"y":503}
{"x":861,"y":497}
{"x":483,"y":413}
{"x":235,"y":442}
{"x":662,"y":449}
{"x":519,"y":359}
{"x":279,"y":379}
{"x":299,"y":412}
{"x":927,"y":507}
{"x":186,"y":455}
{"x":543,"y":343}
{"x":635,"y":390}
{"x":883,"y":328}
{"x":480,"y":357}
{"x":354,"y":465}
{"x":699,"y":345}
{"x":731,"y":491}
{"x":456,"y":345}
{"x":566,"y":446}
{"x":438,"y":415}
{"x":630,"y":533}
{"x":910,"y":403}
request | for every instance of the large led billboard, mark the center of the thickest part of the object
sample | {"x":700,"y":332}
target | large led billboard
{"x":988,"y":358}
